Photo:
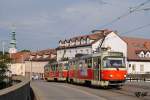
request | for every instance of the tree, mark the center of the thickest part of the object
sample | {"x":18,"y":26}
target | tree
{"x":25,"y":50}
{"x":4,"y":61}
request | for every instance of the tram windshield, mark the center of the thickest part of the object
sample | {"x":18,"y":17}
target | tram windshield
{"x":113,"y":62}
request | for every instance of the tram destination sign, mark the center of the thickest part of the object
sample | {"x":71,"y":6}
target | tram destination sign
{"x":115,"y":54}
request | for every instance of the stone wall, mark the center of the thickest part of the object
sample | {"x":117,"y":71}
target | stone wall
{"x":20,"y":91}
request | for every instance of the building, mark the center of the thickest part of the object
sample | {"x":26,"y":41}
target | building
{"x":17,"y":66}
{"x":34,"y":64}
{"x":88,"y":44}
{"x":138,"y":55}
{"x":135,"y":50}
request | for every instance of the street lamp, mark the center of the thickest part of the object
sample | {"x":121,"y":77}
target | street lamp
{"x":30,"y":68}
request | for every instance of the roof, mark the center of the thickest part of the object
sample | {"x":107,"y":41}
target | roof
{"x":44,"y":55}
{"x":98,"y":34}
{"x":19,"y":57}
{"x":135,"y":45}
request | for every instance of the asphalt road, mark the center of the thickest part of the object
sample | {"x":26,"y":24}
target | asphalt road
{"x":64,"y":91}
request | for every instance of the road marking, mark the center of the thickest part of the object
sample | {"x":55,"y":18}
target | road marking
{"x":90,"y":94}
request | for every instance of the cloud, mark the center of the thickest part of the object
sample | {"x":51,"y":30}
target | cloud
{"x":49,"y":21}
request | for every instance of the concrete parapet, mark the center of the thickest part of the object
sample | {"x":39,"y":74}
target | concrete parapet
{"x":20,"y":91}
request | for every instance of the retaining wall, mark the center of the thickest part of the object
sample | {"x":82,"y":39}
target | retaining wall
{"x":19,"y":91}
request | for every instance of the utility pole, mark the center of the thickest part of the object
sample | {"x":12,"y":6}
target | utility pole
{"x":3,"y":46}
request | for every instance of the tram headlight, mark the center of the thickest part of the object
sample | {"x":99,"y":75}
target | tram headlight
{"x":125,"y":75}
{"x":110,"y":76}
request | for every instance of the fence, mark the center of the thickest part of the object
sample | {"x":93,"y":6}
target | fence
{"x":138,"y":77}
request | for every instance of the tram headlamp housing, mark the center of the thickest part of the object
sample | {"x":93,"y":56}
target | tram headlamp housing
{"x":125,"y":75}
{"x":110,"y":76}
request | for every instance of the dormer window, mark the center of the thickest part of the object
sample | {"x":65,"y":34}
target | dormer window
{"x":45,"y":56}
{"x":31,"y":57}
{"x":66,"y":43}
{"x":82,"y":41}
{"x":38,"y":56}
{"x":87,"y":40}
{"x":70,"y":42}
{"x":60,"y":43}
{"x":147,"y":54}
{"x":77,"y":42}
{"x":141,"y":54}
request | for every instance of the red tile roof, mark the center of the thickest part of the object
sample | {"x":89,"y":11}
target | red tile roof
{"x":135,"y":45}
{"x":19,"y":57}
{"x":99,"y":34}
{"x":41,"y":53}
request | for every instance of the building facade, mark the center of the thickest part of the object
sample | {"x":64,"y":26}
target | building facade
{"x":88,"y":44}
{"x":138,"y":58}
{"x":135,"y":50}
{"x":17,"y":66}
{"x":34,"y":65}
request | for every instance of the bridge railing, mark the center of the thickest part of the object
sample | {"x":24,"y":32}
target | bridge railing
{"x":138,"y":77}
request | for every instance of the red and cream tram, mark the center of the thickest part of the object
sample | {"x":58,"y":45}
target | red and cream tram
{"x":56,"y":71}
{"x":102,"y":69}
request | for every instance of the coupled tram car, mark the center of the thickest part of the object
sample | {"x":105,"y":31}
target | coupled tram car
{"x":101,"y":69}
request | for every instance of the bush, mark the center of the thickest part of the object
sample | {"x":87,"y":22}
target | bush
{"x":4,"y":61}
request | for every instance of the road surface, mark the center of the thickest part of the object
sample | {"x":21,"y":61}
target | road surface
{"x":64,"y":91}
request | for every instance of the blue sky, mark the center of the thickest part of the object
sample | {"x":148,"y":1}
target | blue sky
{"x":40,"y":24}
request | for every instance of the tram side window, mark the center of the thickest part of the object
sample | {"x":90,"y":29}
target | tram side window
{"x":66,"y":66}
{"x":53,"y":67}
{"x":96,"y":63}
{"x":89,"y":63}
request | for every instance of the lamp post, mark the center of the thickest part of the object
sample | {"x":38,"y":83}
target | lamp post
{"x":3,"y":46}
{"x":30,"y":68}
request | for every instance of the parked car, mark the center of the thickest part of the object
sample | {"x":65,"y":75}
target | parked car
{"x":35,"y":77}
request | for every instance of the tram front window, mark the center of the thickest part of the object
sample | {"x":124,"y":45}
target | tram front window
{"x":113,"y":62}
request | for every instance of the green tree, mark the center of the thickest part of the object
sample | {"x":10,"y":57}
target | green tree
{"x":4,"y":61}
{"x":25,"y":50}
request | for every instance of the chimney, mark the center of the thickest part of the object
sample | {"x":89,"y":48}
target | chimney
{"x":147,"y":45}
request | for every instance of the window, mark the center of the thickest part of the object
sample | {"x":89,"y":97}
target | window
{"x":76,"y":51}
{"x":133,"y":67}
{"x":129,"y":65}
{"x":141,"y":54}
{"x":87,"y":51}
{"x":88,"y":41}
{"x":89,"y":61}
{"x":113,"y":62}
{"x":141,"y":68}
{"x":148,"y":54}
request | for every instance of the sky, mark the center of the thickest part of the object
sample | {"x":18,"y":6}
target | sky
{"x":40,"y":24}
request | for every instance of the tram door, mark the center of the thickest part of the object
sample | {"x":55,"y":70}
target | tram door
{"x":96,"y":68}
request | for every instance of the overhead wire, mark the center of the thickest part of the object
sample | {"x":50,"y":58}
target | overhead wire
{"x":126,"y":14}
{"x":138,"y":28}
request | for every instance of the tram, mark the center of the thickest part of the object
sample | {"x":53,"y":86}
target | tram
{"x":100,"y":69}
{"x":56,"y":71}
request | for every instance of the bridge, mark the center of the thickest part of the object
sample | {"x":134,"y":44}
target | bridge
{"x":19,"y":91}
{"x":64,"y":91}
